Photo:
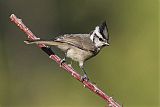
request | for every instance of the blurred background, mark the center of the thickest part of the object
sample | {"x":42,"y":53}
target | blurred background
{"x":127,"y":70}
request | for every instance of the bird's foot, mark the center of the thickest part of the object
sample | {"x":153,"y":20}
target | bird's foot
{"x":70,"y":65}
{"x":49,"y":47}
{"x":62,"y":61}
{"x":84,"y":78}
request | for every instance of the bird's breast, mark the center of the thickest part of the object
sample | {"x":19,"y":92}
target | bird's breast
{"x":78,"y":55}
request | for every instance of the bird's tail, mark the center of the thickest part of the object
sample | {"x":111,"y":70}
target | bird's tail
{"x":46,"y":42}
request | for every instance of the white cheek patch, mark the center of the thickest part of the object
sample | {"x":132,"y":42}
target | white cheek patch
{"x":92,"y":36}
{"x":97,"y":43}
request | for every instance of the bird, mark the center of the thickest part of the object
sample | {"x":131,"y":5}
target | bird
{"x":79,"y":47}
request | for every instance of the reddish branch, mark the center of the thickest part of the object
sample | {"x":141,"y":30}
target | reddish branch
{"x":69,"y":69}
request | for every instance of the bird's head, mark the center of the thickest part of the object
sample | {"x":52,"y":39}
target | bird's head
{"x":100,"y":36}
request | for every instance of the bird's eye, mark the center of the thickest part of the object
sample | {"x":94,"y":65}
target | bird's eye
{"x":100,"y":39}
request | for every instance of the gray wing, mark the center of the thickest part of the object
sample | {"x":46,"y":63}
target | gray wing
{"x":81,"y":41}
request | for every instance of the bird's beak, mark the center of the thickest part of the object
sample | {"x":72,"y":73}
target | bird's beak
{"x":107,"y":44}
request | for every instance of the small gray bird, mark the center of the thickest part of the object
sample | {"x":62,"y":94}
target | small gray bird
{"x":79,"y":47}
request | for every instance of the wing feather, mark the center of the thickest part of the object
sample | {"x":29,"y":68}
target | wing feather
{"x":81,"y":41}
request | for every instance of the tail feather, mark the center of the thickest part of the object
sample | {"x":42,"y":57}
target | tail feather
{"x":28,"y":42}
{"x":42,"y":42}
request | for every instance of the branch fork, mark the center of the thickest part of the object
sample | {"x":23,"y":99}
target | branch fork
{"x":92,"y":87}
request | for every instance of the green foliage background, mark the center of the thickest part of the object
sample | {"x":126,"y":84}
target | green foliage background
{"x":126,"y":70}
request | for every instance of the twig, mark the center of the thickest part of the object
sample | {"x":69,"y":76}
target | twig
{"x":69,"y":69}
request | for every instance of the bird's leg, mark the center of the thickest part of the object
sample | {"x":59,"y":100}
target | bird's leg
{"x":49,"y":47}
{"x":70,"y":64}
{"x":63,"y":60}
{"x":84,"y":77}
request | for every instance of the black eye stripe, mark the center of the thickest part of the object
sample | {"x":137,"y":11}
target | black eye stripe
{"x":100,"y":39}
{"x":96,"y":35}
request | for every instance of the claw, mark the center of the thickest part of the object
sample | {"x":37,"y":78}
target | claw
{"x":62,"y":61}
{"x":84,"y":78}
{"x":70,"y":65}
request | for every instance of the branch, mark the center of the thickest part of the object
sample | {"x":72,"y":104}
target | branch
{"x":69,"y":69}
